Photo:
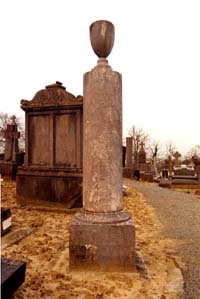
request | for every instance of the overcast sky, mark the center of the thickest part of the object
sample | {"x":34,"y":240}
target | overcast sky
{"x":157,"y":50}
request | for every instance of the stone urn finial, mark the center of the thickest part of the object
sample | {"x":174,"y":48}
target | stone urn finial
{"x":102,"y":35}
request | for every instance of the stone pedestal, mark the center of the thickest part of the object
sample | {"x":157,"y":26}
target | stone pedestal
{"x":102,"y":242}
{"x":102,"y":235}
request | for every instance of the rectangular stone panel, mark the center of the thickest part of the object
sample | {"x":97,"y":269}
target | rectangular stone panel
{"x":39,"y":140}
{"x":12,"y":276}
{"x":65,"y":140}
{"x":5,"y":220}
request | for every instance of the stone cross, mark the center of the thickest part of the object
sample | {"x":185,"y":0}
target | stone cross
{"x":13,"y":119}
{"x":176,"y":155}
{"x":11,"y":135}
{"x":142,"y":154}
{"x":102,"y":235}
{"x":142,"y":146}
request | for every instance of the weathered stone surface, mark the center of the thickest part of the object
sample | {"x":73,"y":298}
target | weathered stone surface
{"x":129,"y":151}
{"x":103,"y":245}
{"x":142,"y":154}
{"x":52,"y":168}
{"x":102,"y":150}
{"x":5,"y":220}
{"x":176,"y":155}
{"x":8,"y":169}
{"x":13,"y":275}
{"x":128,"y":170}
{"x":53,"y":95}
{"x":102,"y":36}
{"x":11,"y":158}
{"x":183,"y":171}
{"x":102,"y":236}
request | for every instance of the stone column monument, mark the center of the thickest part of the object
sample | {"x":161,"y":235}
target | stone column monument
{"x":102,"y":234}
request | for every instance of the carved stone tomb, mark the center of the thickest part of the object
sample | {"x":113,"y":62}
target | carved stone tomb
{"x":52,"y":170}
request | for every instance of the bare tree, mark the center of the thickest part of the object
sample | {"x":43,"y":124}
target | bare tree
{"x":138,"y":135}
{"x":195,"y":151}
{"x":154,"y":151}
{"x":154,"y":148}
{"x":170,"y":150}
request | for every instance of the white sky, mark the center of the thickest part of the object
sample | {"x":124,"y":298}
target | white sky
{"x":157,"y":50}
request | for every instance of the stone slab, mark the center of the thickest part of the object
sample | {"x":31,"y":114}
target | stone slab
{"x":5,"y":220}
{"x":15,"y":236}
{"x":102,"y":245}
{"x":12,"y":276}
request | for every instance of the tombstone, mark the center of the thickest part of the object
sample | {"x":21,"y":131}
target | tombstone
{"x":184,"y":177}
{"x":10,"y":162}
{"x":5,"y":216}
{"x":142,"y":154}
{"x":52,"y":170}
{"x":5,"y":220}
{"x":102,"y":234}
{"x":142,"y":166}
{"x":183,"y":171}
{"x":165,"y":173}
{"x":176,"y":155}
{"x":12,"y":276}
{"x":128,"y":170}
{"x":170,"y":163}
{"x":196,"y":162}
{"x":123,"y":156}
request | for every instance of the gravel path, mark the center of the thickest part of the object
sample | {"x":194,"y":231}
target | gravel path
{"x":180,"y":214}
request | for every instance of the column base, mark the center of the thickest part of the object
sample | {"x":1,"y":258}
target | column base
{"x":102,"y":242}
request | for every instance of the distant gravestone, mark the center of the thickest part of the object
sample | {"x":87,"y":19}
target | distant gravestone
{"x":128,"y":170}
{"x":196,"y":161}
{"x":10,"y":161}
{"x":142,"y":154}
{"x":176,"y":155}
{"x":184,"y":177}
{"x":5,"y":220}
{"x":11,"y":135}
{"x":183,"y":171}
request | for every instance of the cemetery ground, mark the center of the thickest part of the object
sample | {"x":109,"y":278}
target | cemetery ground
{"x":41,"y":237}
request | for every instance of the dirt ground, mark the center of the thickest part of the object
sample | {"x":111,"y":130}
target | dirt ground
{"x":40,"y":237}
